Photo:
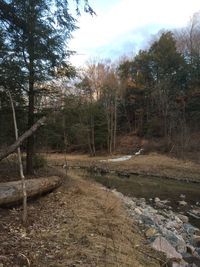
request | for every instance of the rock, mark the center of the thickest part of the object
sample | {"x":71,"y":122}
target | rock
{"x":183,"y":218}
{"x":160,"y":205}
{"x":181,"y":247}
{"x":156,"y":199}
{"x":175,"y":240}
{"x":138,"y":211}
{"x":195,"y":213}
{"x":168,"y":214}
{"x":196,"y":240}
{"x":130,"y":204}
{"x":182,"y":196}
{"x":197,"y":232}
{"x":198,"y":251}
{"x":179,"y":264}
{"x":165,"y":201}
{"x":191,"y":250}
{"x":158,"y":219}
{"x":182,"y":203}
{"x":182,"y":263}
{"x":147,"y":220}
{"x":191,"y":230}
{"x":161,"y":244}
{"x":173,"y":225}
{"x":140,"y":201}
{"x":150,"y":232}
{"x":193,"y":261}
{"x":178,"y":220}
{"x":180,"y":244}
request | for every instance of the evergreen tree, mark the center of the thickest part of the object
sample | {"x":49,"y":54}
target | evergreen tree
{"x":39,"y":48}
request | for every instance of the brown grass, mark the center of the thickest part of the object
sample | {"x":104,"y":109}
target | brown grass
{"x":152,"y":164}
{"x":79,"y":224}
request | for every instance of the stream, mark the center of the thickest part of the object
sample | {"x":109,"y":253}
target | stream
{"x":149,"y":187}
{"x":168,"y":209}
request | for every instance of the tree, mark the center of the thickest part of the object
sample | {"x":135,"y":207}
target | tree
{"x":40,"y":48}
{"x":152,"y":82}
{"x":21,"y":171}
{"x":100,"y":83}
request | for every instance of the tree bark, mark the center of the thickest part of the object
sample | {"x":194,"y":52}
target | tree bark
{"x":24,"y":215}
{"x":11,"y":192}
{"x":111,"y":129}
{"x":115,"y":123}
{"x":30,"y":141}
{"x":31,"y":53}
{"x":23,"y":137}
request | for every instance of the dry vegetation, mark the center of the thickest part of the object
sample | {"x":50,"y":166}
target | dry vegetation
{"x":79,"y":224}
{"x":152,"y":164}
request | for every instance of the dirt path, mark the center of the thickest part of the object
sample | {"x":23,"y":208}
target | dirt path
{"x":79,"y":224}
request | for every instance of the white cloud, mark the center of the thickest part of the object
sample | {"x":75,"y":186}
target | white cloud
{"x":126,"y":17}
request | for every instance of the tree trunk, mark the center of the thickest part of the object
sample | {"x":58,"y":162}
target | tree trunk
{"x":115,"y":124}
{"x":30,"y":141}
{"x":108,"y":129}
{"x":111,"y":129}
{"x":11,"y":192}
{"x":93,"y":136}
{"x":24,"y":215}
{"x":31,"y":53}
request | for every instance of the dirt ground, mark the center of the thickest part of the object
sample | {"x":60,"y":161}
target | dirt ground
{"x":152,"y":164}
{"x":78,"y":224}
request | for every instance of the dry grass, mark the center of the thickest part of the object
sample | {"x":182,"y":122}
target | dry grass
{"x":80,"y":224}
{"x":152,"y":164}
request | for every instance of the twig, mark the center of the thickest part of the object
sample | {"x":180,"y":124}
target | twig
{"x":24,"y":256}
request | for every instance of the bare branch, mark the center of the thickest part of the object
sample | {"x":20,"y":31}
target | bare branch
{"x":23,"y":137}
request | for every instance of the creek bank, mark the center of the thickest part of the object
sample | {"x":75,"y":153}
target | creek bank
{"x":103,"y":170}
{"x":179,"y":196}
{"x":165,"y":230}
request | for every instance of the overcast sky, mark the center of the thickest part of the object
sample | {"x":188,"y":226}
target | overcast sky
{"x":122,"y":27}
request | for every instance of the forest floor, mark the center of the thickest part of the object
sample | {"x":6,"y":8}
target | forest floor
{"x":152,"y":164}
{"x":78,"y":224}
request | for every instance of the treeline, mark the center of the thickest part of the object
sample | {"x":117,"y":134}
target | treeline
{"x":155,"y":94}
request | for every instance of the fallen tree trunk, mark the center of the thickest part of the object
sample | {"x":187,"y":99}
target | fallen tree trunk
{"x":21,"y":139}
{"x":11,"y":192}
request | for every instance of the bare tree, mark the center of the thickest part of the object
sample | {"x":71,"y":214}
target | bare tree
{"x":24,"y":215}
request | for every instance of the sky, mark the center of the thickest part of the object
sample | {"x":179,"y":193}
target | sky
{"x":122,"y":27}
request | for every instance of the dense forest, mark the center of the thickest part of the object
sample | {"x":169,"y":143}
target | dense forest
{"x":154,"y":95}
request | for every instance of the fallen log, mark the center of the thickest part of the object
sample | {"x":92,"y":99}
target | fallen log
{"x":11,"y":192}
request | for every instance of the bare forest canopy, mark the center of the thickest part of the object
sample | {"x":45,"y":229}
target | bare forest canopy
{"x":154,"y":95}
